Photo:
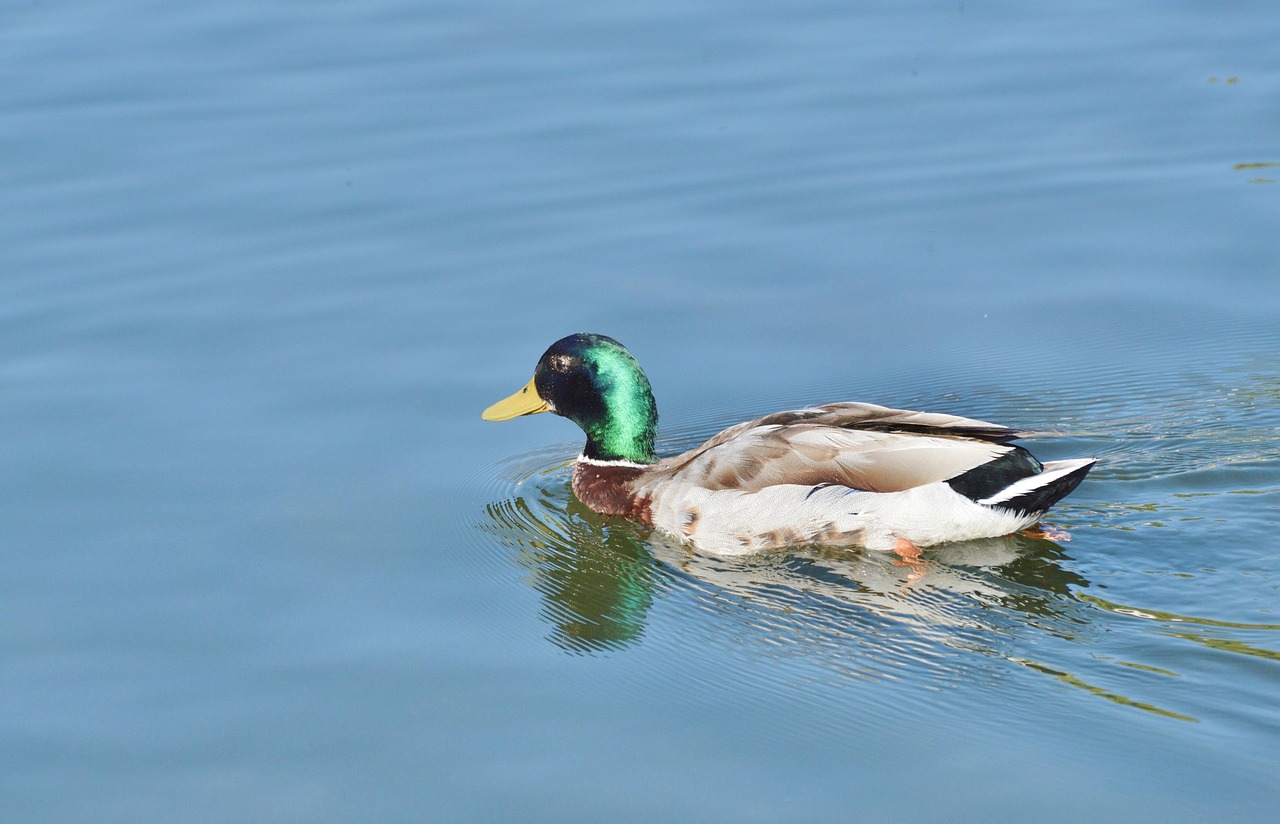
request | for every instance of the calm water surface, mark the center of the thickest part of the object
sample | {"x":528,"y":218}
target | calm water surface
{"x":264,"y":264}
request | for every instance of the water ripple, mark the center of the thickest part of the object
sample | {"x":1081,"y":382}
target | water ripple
{"x":979,"y":612}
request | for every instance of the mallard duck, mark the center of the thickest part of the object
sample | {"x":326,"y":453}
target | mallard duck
{"x":853,"y":474}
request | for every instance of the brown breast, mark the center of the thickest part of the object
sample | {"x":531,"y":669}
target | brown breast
{"x":610,"y":490}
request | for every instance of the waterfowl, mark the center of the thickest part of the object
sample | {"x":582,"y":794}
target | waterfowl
{"x":853,"y":474}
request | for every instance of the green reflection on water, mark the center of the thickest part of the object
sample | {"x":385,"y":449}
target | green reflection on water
{"x":1170,"y":617}
{"x":596,"y":580}
{"x":1148,"y":668}
{"x":1116,"y":698}
{"x":1196,"y":635}
{"x":1228,"y":645}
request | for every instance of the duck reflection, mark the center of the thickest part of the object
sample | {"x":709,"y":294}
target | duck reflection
{"x":858,"y":614}
{"x":950,"y":586}
{"x":596,"y":579}
{"x":599,"y":576}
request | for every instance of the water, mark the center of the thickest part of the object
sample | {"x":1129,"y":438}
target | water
{"x":264,"y":264}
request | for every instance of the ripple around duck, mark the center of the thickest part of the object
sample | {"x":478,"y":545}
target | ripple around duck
{"x":841,"y":613}
{"x":821,"y":615}
{"x":974,"y":610}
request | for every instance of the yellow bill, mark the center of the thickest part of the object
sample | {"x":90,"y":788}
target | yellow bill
{"x":524,"y":402}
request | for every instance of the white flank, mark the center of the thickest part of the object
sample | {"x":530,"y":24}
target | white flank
{"x":733,"y":522}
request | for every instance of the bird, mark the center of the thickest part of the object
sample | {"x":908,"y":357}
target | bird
{"x":841,"y":474}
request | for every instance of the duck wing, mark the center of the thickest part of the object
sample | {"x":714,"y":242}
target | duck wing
{"x":861,"y":446}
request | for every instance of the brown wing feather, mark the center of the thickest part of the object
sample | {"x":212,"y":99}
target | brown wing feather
{"x":862,"y":446}
{"x":873,"y":418}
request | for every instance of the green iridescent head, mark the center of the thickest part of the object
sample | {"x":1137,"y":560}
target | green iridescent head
{"x":595,"y":382}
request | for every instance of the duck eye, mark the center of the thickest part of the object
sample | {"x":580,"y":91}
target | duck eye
{"x":562,"y":363}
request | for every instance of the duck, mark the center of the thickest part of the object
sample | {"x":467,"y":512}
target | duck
{"x":840,"y":474}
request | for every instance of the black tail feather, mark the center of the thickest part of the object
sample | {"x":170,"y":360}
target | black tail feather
{"x":1042,"y":497}
{"x":991,"y":477}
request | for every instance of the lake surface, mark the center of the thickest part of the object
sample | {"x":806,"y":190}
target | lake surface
{"x":263,"y":265}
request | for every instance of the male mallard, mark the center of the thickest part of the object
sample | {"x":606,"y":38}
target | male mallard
{"x":842,"y":473}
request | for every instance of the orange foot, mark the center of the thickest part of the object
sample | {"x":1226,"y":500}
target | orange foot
{"x":1047,"y":533}
{"x":908,"y":552}
{"x":909,"y":556}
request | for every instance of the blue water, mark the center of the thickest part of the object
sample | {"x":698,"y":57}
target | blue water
{"x":264,"y":264}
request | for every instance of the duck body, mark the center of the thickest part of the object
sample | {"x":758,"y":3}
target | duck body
{"x":850,"y":474}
